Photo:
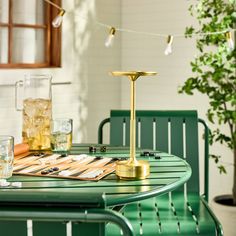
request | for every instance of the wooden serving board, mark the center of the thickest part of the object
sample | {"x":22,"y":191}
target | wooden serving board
{"x":82,"y":167}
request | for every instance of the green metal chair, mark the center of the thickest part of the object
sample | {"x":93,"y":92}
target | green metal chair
{"x":183,"y":211}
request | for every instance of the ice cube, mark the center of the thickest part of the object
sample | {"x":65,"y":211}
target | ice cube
{"x":66,"y":127}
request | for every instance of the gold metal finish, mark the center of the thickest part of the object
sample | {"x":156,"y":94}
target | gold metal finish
{"x":62,"y":12}
{"x":132,"y":74}
{"x":169,"y":39}
{"x":112,"y":31}
{"x":228,"y":35}
{"x":132,"y":169}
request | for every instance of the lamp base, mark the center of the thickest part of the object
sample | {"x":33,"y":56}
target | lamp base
{"x":132,"y":170}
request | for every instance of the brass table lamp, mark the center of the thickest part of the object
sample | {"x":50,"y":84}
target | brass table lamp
{"x":132,"y":168}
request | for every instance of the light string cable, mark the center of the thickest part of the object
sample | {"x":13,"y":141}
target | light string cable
{"x":162,"y":35}
{"x":53,"y":4}
{"x":169,"y":37}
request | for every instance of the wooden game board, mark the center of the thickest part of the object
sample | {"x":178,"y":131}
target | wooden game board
{"x":83,"y":166}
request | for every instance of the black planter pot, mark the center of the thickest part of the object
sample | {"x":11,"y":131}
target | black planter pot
{"x":226,"y":200}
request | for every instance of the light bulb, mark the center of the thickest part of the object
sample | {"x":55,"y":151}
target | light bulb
{"x":58,"y":19}
{"x":109,"y":41}
{"x":168,"y":49}
{"x":230,"y":41}
{"x":110,"y":38}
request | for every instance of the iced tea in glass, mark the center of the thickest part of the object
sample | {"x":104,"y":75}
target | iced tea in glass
{"x":61,"y":135}
{"x":6,"y":156}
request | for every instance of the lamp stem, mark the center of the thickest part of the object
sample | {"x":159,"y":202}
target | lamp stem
{"x":132,"y":122}
{"x":132,"y":168}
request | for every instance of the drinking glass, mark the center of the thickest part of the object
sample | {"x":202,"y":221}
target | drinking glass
{"x":6,"y":156}
{"x":61,"y":135}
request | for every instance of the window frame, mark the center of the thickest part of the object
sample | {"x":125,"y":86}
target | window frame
{"x":52,"y":38}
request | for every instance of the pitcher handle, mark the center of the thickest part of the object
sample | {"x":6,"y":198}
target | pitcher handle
{"x":17,"y":85}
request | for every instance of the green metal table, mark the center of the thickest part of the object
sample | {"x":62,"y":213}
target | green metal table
{"x":166,"y":174}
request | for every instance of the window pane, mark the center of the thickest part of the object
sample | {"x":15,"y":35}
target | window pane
{"x":28,"y":45}
{"x":4,"y":11}
{"x":28,"y":11}
{"x":3,"y":45}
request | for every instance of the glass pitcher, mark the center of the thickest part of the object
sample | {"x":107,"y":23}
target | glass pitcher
{"x":35,"y":91}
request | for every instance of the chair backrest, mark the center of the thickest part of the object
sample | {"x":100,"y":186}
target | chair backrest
{"x":174,"y":132}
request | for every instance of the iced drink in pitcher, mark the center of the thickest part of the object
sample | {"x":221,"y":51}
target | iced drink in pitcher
{"x":37,"y":114}
{"x":37,"y":111}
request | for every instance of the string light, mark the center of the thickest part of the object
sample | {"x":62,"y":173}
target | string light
{"x":112,"y":30}
{"x":110,"y":38}
{"x":168,"y":49}
{"x":169,"y":37}
{"x":58,"y":19}
{"x":164,"y":35}
{"x":230,"y":41}
{"x":156,"y":34}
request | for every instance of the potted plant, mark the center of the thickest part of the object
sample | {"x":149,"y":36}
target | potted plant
{"x":214,"y":70}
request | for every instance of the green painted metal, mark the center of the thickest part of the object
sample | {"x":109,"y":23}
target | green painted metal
{"x":13,"y":228}
{"x":50,"y":202}
{"x":154,"y":217}
{"x":80,"y":228}
{"x":171,"y":129}
{"x":217,"y":223}
{"x":100,"y":134}
{"x":145,"y":130}
{"x":191,"y":127}
{"x":117,"y":133}
{"x":173,"y":171}
{"x":49,"y":228}
{"x":206,"y":158}
{"x":162,"y":128}
{"x":54,"y":214}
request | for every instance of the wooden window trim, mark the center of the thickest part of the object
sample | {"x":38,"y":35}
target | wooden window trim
{"x":52,"y":39}
{"x":10,"y":44}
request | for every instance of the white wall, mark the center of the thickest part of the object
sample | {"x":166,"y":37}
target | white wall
{"x":86,"y":63}
{"x":99,"y":92}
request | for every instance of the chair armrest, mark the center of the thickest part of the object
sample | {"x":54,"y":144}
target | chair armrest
{"x":206,"y":157}
{"x":100,"y":130}
{"x":219,"y":228}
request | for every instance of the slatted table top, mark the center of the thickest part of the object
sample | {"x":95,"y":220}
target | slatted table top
{"x":166,"y":174}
